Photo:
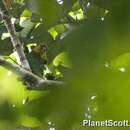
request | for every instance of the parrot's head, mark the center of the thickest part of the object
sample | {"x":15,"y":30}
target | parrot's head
{"x":39,"y":49}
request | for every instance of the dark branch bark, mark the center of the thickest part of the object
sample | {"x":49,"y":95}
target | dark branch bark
{"x":32,"y":81}
{"x":14,"y":38}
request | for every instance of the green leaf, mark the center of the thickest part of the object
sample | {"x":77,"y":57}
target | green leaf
{"x":122,"y":62}
{"x":27,"y":27}
{"x":68,"y":4}
{"x":40,"y":35}
{"x":62,"y":60}
{"x":29,"y":121}
{"x":26,"y":13}
{"x":56,"y":30}
{"x":50,"y":10}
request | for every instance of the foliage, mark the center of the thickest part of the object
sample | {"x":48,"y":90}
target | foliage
{"x":87,"y":46}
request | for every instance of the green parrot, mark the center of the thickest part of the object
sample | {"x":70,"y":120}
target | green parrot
{"x":37,"y":59}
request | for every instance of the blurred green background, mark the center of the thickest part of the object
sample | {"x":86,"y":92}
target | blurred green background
{"x":89,"y":48}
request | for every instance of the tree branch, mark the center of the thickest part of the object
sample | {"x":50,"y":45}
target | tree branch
{"x":32,"y":81}
{"x":6,"y":17}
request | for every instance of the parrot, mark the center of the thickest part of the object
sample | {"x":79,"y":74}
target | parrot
{"x":37,"y":59}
